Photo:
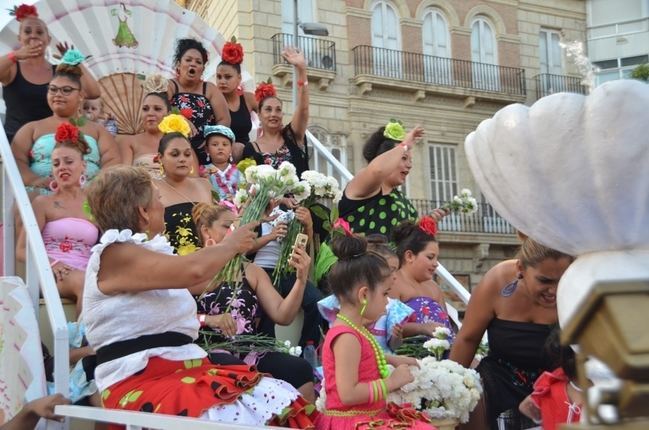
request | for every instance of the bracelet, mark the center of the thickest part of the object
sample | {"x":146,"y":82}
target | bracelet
{"x":12,"y":57}
{"x":384,"y":388}
{"x":405,"y":146}
{"x":370,"y":386}
{"x":302,"y":83}
{"x":201,"y":320}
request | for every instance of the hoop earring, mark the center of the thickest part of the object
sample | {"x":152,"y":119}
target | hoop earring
{"x":364,"y":307}
{"x":162,"y":171}
{"x":519,"y":275}
{"x":54,"y":186}
{"x":82,"y":180}
{"x":191,"y":172}
{"x":210,"y":242}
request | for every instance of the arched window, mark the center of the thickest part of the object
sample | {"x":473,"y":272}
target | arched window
{"x":385,"y":40}
{"x":437,"y":47}
{"x":484,"y":56}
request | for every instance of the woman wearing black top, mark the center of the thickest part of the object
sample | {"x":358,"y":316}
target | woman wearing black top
{"x":25,"y":74}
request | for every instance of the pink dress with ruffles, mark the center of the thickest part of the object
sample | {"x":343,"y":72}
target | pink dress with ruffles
{"x":377,"y":415}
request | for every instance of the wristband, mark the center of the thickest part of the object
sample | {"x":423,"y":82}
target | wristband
{"x":201,"y":320}
{"x":405,"y":146}
{"x":12,"y":57}
{"x":370,"y":386}
{"x":302,"y":83}
{"x":384,"y":388}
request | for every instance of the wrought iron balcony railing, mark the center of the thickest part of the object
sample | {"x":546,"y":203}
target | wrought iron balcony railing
{"x":547,"y":84}
{"x":484,"y":220}
{"x":428,"y":69}
{"x":319,"y":53}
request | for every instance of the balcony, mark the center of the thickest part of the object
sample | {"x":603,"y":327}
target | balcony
{"x":485,"y":221}
{"x":547,"y":84}
{"x":320,"y":55}
{"x":429,"y":74}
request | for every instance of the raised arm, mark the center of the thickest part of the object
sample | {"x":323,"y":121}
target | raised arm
{"x":90,"y":86}
{"x":281,"y":311}
{"x":479,"y":313}
{"x":300,"y":119}
{"x":129,"y":268}
{"x":368,"y":180}
{"x":219,"y":105}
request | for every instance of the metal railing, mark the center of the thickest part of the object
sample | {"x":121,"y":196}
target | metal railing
{"x":428,"y":69}
{"x":484,"y":220}
{"x":38,"y":271}
{"x":319,"y":53}
{"x":332,"y":166}
{"x":547,"y":84}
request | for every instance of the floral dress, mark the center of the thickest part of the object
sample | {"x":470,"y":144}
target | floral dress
{"x":180,"y":228}
{"x":428,"y":310}
{"x":198,"y":109}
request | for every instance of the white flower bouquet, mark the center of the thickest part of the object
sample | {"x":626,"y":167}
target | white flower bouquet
{"x":443,"y":389}
{"x":262,"y":183}
{"x":464,"y":202}
{"x":314,"y":188}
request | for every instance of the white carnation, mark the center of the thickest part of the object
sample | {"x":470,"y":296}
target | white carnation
{"x":465,"y":192}
{"x":442,"y":333}
{"x":251,"y":174}
{"x":301,"y":191}
{"x":287,"y":169}
{"x":240,"y":197}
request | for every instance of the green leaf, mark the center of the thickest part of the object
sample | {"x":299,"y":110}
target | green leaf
{"x":320,"y":211}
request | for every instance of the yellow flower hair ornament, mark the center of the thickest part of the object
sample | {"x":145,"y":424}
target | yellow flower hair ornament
{"x":174,"y":123}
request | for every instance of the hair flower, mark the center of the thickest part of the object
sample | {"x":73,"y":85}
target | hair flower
{"x":394,"y":130}
{"x":265,"y":89}
{"x":428,"y":225}
{"x":174,"y":123}
{"x":23,"y":11}
{"x":232,"y":52}
{"x":342,"y":224}
{"x":72,"y":57}
{"x":66,"y":132}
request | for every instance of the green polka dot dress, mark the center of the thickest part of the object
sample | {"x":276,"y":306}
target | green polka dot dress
{"x":378,"y":214}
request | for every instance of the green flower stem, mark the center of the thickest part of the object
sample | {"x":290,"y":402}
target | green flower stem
{"x":282,"y":267}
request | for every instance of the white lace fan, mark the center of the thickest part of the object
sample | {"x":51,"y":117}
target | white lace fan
{"x":127,"y":40}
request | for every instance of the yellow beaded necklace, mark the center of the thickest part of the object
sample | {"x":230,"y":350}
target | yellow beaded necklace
{"x":381,"y":363}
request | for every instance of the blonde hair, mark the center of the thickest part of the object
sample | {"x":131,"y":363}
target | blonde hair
{"x":115,"y":195}
{"x":204,"y":214}
{"x":532,"y":253}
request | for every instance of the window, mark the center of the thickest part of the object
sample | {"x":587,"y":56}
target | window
{"x":550,"y":52}
{"x":619,"y":68}
{"x":443,"y":172}
{"x":385,"y":37}
{"x":483,"y":55}
{"x":305,"y":13}
{"x":436,"y":44}
{"x":335,"y":143}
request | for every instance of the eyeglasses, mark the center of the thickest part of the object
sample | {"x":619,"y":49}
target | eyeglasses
{"x":66,"y":90}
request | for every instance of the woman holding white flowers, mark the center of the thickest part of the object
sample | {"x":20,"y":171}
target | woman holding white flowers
{"x":179,"y":190}
{"x":231,"y":310}
{"x":371,"y":202}
{"x":516,"y":304}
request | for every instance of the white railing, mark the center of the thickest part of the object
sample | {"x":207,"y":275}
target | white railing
{"x":336,"y":169}
{"x":37,"y":266}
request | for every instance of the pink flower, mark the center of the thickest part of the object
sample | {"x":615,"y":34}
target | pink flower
{"x":65,"y":246}
{"x":344,"y":226}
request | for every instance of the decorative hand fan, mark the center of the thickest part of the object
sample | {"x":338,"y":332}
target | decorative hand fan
{"x":127,"y":40}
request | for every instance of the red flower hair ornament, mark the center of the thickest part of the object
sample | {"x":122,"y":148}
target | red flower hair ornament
{"x":265,"y":89}
{"x":66,"y":132}
{"x":428,"y":225}
{"x":343,"y":226}
{"x":23,"y":11}
{"x":232,"y":52}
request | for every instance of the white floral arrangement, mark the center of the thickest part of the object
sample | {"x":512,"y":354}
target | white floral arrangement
{"x":322,"y":186}
{"x":443,"y":389}
{"x":464,"y":202}
{"x":439,"y":343}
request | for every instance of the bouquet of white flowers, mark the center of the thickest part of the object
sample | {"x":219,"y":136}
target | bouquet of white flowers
{"x":262,"y":183}
{"x":465,"y":203}
{"x":317,"y":187}
{"x":443,"y":389}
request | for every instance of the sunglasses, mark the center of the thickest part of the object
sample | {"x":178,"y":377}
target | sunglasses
{"x":66,"y":90}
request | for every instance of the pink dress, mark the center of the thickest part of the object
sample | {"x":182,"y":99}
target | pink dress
{"x":69,"y":240}
{"x":377,"y":415}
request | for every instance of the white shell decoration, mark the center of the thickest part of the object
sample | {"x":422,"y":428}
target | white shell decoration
{"x":571,"y":171}
{"x":133,"y":37}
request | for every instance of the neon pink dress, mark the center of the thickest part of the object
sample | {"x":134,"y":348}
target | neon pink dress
{"x":377,"y":415}
{"x":69,"y":240}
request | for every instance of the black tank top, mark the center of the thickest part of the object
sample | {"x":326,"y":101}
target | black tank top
{"x":240,"y":122}
{"x":25,"y":102}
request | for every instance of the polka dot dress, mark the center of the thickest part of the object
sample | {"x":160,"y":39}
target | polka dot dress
{"x":377,"y":214}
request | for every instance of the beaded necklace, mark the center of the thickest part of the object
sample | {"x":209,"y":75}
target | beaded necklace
{"x":378,"y":352}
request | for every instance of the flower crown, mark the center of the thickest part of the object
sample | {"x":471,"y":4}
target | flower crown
{"x":394,"y":130}
{"x":23,"y":11}
{"x":155,"y":84}
{"x":428,"y":225}
{"x":174,"y":123}
{"x":222,"y":130}
{"x":232,"y":52}
{"x":265,"y":89}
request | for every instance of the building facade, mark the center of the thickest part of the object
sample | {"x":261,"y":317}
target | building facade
{"x":618,"y":36}
{"x":446,"y":65}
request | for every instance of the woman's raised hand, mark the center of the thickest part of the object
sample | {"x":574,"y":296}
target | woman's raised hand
{"x":33,"y":49}
{"x":294,"y":56}
{"x":301,"y":261}
{"x":413,"y":136}
{"x":243,"y":238}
